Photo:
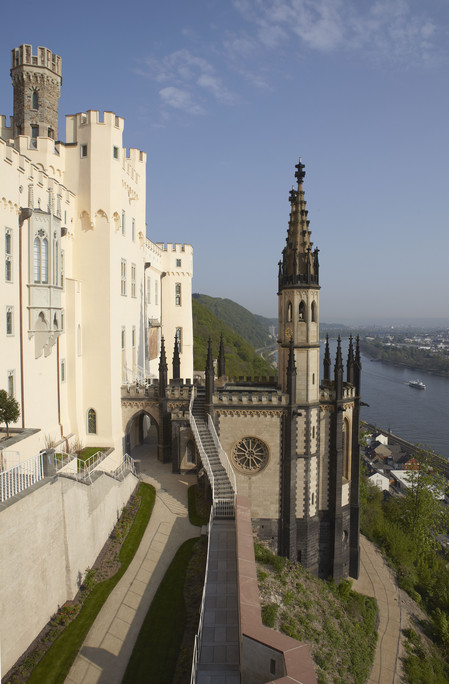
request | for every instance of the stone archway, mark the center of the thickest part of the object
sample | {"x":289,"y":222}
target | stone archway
{"x":142,"y":430}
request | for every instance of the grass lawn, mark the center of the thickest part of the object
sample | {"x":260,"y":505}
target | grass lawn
{"x":87,"y":452}
{"x":56,"y":663}
{"x":199,"y":509}
{"x":157,"y":647}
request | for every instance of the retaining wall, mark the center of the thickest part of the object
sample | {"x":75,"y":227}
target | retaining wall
{"x":49,"y":535}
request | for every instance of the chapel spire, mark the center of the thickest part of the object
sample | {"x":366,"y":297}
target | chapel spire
{"x":299,"y":264}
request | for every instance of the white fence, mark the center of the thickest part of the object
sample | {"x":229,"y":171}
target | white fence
{"x":199,"y":634}
{"x":24,"y":475}
{"x":224,"y":460}
{"x":20,"y":477}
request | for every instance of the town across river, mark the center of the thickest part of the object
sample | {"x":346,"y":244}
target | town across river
{"x":418,"y":417}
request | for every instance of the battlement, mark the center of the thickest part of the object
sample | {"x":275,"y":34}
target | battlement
{"x":91,"y":117}
{"x":249,"y":396}
{"x":177,"y":247}
{"x":153,"y":251}
{"x":24,"y":144}
{"x":80,"y":126}
{"x":134,"y":155}
{"x":6,"y":132}
{"x":327,"y":392}
{"x":45,"y":58}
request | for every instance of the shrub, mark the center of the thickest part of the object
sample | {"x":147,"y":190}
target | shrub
{"x":269,"y":614}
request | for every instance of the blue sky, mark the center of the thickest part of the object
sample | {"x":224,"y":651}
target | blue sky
{"x":225,"y":95}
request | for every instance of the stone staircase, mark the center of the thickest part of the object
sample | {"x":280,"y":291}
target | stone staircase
{"x":223,"y":491}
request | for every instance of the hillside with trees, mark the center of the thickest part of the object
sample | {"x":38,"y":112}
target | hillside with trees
{"x":253,"y":328}
{"x":241,"y":356}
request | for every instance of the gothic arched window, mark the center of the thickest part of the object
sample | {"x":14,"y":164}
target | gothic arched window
{"x":91,"y":421}
{"x":302,"y":311}
{"x":44,"y":262}
{"x":35,"y":99}
{"x":313,"y":312}
{"x":37,"y":260}
{"x":289,"y":312}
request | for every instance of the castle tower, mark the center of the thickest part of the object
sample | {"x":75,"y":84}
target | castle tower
{"x":37,"y":83}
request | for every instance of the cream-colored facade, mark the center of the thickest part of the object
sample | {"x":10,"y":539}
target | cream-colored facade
{"x":86,"y":296}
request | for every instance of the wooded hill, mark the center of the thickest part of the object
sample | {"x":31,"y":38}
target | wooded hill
{"x":242,"y":332}
{"x":253,"y":328}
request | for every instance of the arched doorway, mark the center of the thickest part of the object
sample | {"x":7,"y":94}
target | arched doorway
{"x":142,"y":433}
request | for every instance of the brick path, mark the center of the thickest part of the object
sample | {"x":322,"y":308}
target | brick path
{"x":107,"y":648}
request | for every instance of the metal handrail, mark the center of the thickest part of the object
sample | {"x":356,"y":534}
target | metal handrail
{"x":109,"y":466}
{"x":199,"y":634}
{"x":138,"y":374}
{"x":20,"y":477}
{"x":79,"y":469}
{"x":9,"y":459}
{"x":224,"y":460}
{"x":203,"y":455}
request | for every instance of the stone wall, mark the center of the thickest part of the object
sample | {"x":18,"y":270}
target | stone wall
{"x":261,"y":487}
{"x":49,"y":536}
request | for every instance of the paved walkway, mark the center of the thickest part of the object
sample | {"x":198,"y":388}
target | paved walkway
{"x":376,"y":579}
{"x":108,"y":646}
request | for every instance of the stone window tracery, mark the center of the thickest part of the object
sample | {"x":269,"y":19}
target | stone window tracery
{"x":40,"y":258}
{"x":250,"y":455}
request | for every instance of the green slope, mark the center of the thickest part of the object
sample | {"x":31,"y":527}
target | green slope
{"x":254,"y":329}
{"x":241,"y":357}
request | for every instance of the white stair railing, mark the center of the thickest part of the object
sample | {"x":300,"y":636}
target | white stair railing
{"x":224,"y":506}
{"x":224,"y":460}
{"x":22,"y":476}
{"x":203,"y":455}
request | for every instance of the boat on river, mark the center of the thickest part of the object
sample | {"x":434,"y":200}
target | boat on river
{"x":417,"y":384}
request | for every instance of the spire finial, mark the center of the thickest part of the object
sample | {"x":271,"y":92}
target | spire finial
{"x":163,"y":370}
{"x":300,"y":172}
{"x":327,"y":360}
{"x":350,"y":362}
{"x":338,"y":371}
{"x":221,"y":359}
{"x":300,"y":262}
{"x":176,"y":360}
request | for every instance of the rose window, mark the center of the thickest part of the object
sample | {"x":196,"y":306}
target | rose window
{"x":250,"y":455}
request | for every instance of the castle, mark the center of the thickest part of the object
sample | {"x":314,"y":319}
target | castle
{"x":87,"y":297}
{"x":92,"y":308}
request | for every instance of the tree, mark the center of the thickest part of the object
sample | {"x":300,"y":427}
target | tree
{"x":424,"y":514}
{"x":9,"y":409}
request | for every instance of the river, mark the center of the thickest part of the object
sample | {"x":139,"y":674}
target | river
{"x":419,"y":416}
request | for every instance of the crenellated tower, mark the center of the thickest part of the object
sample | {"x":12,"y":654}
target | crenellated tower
{"x":37,"y":84}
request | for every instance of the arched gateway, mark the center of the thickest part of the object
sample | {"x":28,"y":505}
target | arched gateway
{"x":142,"y":428}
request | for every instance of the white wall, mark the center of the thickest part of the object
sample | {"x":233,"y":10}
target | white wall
{"x":48,"y":538}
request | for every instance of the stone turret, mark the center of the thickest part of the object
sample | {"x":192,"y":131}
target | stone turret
{"x":37,"y":83}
